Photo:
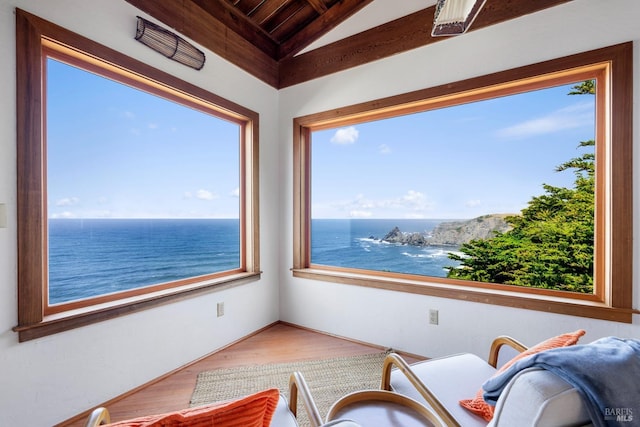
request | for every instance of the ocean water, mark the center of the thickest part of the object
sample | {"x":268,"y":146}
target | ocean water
{"x":89,"y":257}
{"x":357,"y":244}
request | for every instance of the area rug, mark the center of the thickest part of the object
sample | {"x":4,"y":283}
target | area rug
{"x":328,"y":380}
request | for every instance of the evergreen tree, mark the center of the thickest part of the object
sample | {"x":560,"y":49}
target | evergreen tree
{"x":551,"y":244}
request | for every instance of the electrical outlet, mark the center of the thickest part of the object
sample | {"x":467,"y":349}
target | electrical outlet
{"x":433,"y":317}
{"x":220,"y":309}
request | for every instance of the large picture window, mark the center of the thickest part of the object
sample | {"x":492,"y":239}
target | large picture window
{"x":497,"y":209}
{"x":134,"y":187}
{"x":499,"y":189}
{"x":141,"y":190}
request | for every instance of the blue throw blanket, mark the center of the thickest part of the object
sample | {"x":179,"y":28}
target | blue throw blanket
{"x":605,"y":372}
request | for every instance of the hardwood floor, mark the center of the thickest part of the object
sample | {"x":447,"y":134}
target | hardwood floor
{"x":278,"y":343}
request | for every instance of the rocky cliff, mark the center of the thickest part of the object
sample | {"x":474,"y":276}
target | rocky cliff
{"x":452,"y":233}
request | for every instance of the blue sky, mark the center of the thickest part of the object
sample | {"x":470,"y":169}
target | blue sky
{"x":116,"y":152}
{"x":459,"y":162}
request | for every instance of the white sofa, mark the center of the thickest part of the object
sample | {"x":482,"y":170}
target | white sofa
{"x":534,"y":397}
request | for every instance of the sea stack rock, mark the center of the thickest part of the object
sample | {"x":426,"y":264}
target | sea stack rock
{"x":397,"y":236}
{"x":453,"y":233}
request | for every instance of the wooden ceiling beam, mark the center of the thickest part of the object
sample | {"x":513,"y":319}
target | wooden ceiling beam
{"x":191,"y":20}
{"x":318,"y":6}
{"x":327,"y":21}
{"x":219,"y":27}
{"x":268,"y":10}
{"x":394,"y":37}
{"x":238,"y":22}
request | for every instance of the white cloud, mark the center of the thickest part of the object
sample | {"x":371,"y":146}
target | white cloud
{"x":152,"y":126}
{"x":473,"y":203}
{"x":571,"y":117}
{"x":412,"y":204}
{"x":86,"y":213}
{"x":345,"y":135}
{"x":235,"y":192}
{"x":384,"y":149}
{"x":205,"y":195}
{"x":362,"y":202}
{"x":68,"y":201}
{"x":414,"y":197}
{"x":412,"y":200}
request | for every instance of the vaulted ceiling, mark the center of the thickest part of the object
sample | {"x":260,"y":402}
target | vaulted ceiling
{"x":267,"y":38}
{"x":280,"y":28}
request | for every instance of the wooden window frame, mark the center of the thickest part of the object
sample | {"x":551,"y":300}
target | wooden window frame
{"x":613,"y":286}
{"x":37,"y":40}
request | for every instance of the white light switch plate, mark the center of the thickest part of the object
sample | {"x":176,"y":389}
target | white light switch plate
{"x":3,"y":215}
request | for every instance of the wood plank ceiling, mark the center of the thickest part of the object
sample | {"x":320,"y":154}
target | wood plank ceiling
{"x":281,"y":28}
{"x":264,"y":37}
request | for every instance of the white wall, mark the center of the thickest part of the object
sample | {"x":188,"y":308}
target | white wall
{"x":400,"y":320}
{"x":48,"y":380}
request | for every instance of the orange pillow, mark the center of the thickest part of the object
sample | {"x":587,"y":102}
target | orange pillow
{"x":255,"y":410}
{"x":478,"y":406}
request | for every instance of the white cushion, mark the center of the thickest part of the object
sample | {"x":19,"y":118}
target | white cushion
{"x":283,"y":417}
{"x":451,"y":379}
{"x":539,"y":398}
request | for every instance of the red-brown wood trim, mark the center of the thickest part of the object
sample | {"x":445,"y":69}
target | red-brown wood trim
{"x":34,"y":38}
{"x":29,"y":152}
{"x":301,"y":187}
{"x":618,"y":304}
{"x":526,"y":302}
{"x":621,"y":171}
{"x":400,"y":35}
{"x":83,"y":317}
{"x":119,"y":296}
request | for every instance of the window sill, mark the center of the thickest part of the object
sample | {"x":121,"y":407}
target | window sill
{"x":81,"y":317}
{"x":545,"y":303}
